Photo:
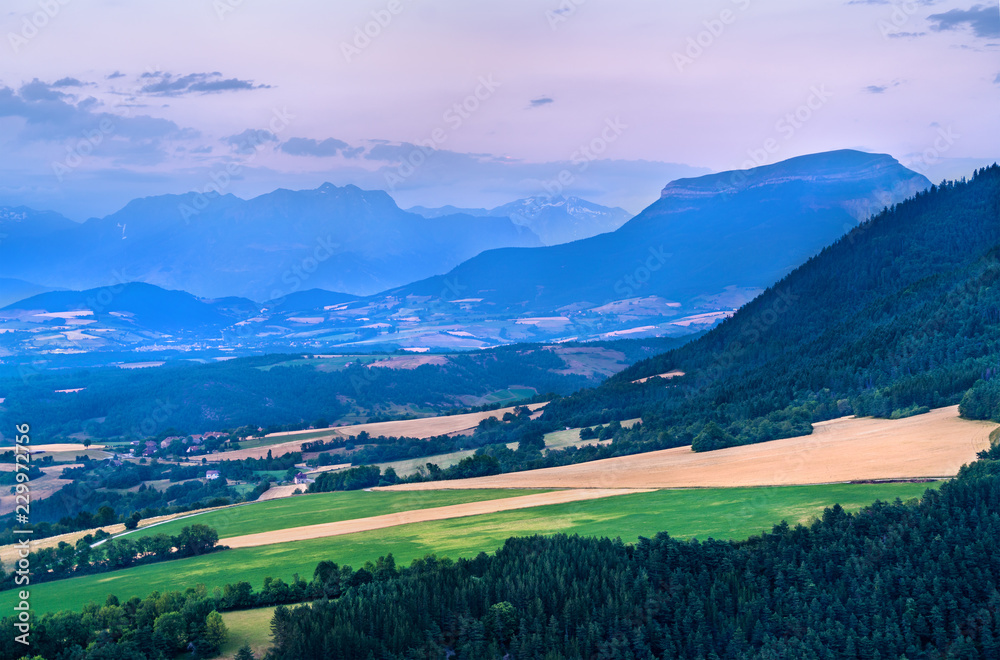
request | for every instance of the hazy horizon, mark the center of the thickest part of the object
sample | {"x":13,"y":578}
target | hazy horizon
{"x":102,"y":104}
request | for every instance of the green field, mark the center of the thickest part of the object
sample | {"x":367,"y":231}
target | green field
{"x":251,"y":627}
{"x":718,"y":513}
{"x":303,"y":510}
{"x":510,"y":396}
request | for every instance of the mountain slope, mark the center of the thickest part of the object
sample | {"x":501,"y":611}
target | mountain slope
{"x":339,"y":238}
{"x":902,"y":313}
{"x":735,"y":229}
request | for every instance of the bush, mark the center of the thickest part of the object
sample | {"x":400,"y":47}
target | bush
{"x":982,"y":401}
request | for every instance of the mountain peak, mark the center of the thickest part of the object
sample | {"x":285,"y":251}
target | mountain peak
{"x":840,"y":166}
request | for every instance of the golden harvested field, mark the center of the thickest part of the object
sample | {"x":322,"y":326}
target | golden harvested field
{"x":278,"y":492}
{"x":411,"y":428}
{"x":849,"y":449}
{"x":44,"y":486}
{"x":670,"y":374}
{"x":68,"y":446}
{"x":429,"y":426}
{"x":422,"y":515}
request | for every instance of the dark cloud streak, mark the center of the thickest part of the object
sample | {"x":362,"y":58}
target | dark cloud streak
{"x":984,"y":20}
{"x":166,"y":84}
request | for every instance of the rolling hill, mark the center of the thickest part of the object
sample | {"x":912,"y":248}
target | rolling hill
{"x":135,"y":306}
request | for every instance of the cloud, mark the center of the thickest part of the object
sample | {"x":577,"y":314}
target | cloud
{"x":116,"y":74}
{"x":983,"y":19}
{"x":53,"y":115}
{"x":997,"y":79}
{"x":310,"y":147}
{"x":540,"y":101}
{"x":250,"y":140}
{"x":881,"y":89}
{"x":68,"y":82}
{"x":166,"y":84}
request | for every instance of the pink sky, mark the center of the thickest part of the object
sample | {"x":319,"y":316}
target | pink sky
{"x":508,"y":94}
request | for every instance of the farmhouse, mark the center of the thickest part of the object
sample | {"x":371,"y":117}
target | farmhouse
{"x":303,"y":478}
{"x":212,"y":475}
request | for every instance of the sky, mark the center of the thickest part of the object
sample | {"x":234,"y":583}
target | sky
{"x":476,"y":104}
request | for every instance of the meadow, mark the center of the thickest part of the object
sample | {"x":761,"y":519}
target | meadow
{"x":251,"y":627}
{"x":734,"y":513}
{"x":313,"y":509}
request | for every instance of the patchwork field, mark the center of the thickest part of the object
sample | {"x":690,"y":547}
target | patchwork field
{"x":426,"y":427}
{"x":320,"y":508}
{"x":44,"y":486}
{"x":933,"y":445}
{"x":719,"y":513}
{"x":353,"y":526}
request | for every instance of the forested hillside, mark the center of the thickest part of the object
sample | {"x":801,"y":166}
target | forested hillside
{"x":900,"y":314}
{"x":276,"y":391}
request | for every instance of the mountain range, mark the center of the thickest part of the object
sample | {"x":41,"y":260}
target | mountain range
{"x":704,"y":237}
{"x":900,"y":315}
{"x":554,"y":219}
{"x":340,"y":238}
{"x":687,"y":262}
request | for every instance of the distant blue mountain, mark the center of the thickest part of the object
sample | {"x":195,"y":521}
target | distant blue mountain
{"x":704,"y":235}
{"x":555,"y":219}
{"x":142,"y":306}
{"x":13,"y":289}
{"x":338,"y":238}
{"x":313,"y":299}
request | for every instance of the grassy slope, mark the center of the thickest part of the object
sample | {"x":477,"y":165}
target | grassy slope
{"x":719,"y":513}
{"x":321,"y":508}
{"x":251,"y":627}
